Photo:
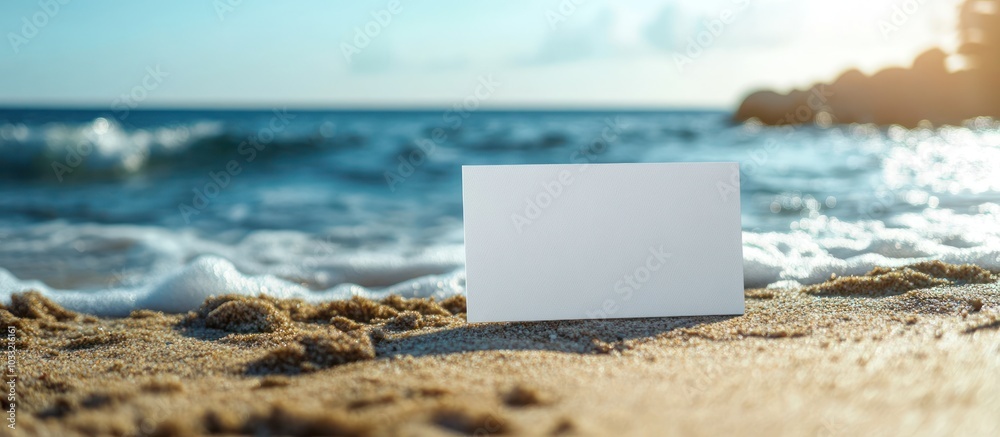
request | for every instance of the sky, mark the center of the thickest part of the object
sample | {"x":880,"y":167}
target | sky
{"x":436,"y":53}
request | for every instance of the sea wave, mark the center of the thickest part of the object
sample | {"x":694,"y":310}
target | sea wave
{"x":315,"y":216}
{"x":104,"y":148}
{"x":290,"y":264}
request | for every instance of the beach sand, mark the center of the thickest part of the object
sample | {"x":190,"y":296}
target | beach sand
{"x":912,"y":351}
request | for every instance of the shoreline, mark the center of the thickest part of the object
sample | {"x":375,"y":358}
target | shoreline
{"x":873,"y":353}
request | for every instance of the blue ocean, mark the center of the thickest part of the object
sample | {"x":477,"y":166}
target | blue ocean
{"x":107,"y":212}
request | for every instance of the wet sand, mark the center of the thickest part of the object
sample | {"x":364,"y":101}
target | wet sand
{"x":911,"y":351}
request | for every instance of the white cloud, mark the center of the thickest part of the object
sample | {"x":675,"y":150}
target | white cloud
{"x":570,"y":41}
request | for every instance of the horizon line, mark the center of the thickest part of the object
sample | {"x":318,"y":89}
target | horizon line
{"x":366,"y":108}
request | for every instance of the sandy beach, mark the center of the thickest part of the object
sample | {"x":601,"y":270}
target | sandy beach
{"x":912,"y":351}
{"x":271,"y":219}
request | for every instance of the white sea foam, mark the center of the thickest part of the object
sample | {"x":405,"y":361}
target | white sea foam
{"x":823,"y":246}
{"x":208,"y":275}
{"x":292,"y":265}
{"x":332,"y":234}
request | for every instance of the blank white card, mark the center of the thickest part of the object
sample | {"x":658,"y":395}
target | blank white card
{"x":579,"y":241}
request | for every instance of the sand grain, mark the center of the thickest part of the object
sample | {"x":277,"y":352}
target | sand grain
{"x":910,"y":351}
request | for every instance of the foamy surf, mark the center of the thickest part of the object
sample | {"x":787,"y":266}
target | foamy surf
{"x":315,"y":217}
{"x":810,"y":253}
{"x":209,"y":275}
{"x":824,"y":246}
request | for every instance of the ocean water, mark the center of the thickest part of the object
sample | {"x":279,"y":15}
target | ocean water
{"x":110,"y":212}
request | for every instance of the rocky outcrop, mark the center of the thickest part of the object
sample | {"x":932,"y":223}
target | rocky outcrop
{"x":927,"y":90}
